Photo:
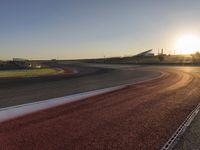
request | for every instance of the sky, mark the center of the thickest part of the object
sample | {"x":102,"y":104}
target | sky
{"x":74,"y":29}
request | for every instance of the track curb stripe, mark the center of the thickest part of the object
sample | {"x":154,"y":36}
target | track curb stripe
{"x":12,"y":112}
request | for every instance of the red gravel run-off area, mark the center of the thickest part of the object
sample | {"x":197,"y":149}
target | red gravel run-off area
{"x":140,"y":117}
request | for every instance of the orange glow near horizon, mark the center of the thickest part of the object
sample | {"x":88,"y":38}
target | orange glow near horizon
{"x":188,"y":44}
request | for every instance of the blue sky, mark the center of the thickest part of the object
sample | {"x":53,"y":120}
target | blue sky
{"x":70,"y":29}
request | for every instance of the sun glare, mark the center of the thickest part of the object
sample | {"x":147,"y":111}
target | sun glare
{"x":188,"y":44}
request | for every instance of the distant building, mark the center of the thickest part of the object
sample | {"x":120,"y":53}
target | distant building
{"x":146,"y":53}
{"x":19,"y":59}
{"x":24,"y":63}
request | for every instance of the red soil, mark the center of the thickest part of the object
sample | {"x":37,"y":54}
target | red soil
{"x":142,"y":117}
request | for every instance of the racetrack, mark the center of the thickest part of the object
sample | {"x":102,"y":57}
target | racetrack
{"x":25,"y":90}
{"x":141,"y":116}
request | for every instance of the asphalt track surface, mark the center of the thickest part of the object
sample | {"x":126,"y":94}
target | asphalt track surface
{"x":25,"y":90}
{"x":139,"y":117}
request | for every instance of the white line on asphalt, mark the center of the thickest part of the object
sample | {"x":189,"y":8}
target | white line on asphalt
{"x":20,"y":110}
{"x":12,"y":112}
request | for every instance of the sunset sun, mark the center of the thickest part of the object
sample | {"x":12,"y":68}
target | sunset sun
{"x":188,"y":44}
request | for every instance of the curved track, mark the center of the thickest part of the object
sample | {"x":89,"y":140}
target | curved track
{"x":141,"y":116}
{"x":26,"y":90}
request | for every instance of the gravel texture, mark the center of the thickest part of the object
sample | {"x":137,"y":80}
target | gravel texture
{"x":140,"y":117}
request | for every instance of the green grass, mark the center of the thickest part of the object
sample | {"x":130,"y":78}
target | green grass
{"x":30,"y":72}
